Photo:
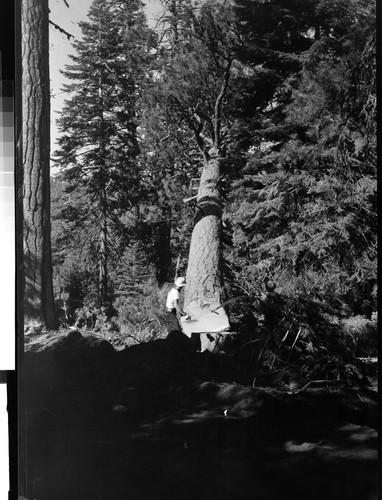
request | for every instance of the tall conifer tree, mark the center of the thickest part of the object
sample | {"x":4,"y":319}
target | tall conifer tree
{"x":99,"y":144}
{"x":38,"y":290}
{"x":194,"y":84}
{"x":305,"y":209}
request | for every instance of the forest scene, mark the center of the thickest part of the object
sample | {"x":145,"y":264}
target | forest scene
{"x":233,"y":144}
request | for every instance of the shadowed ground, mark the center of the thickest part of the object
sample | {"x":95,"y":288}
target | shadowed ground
{"x":159,"y":421}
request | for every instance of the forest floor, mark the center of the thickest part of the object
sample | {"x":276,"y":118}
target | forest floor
{"x":157,"y":421}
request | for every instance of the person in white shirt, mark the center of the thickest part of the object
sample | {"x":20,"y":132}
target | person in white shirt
{"x":172,"y":306}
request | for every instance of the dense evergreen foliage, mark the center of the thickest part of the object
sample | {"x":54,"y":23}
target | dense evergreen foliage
{"x":98,"y":147}
{"x":305,"y":207}
{"x":295,"y":127}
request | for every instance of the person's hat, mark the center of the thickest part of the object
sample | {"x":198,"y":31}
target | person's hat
{"x":270,"y":286}
{"x":180,"y":281}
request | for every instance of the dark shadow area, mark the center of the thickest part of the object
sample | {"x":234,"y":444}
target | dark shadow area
{"x":206,"y":206}
{"x":159,"y":420}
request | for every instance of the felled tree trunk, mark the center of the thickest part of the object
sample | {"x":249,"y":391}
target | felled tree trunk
{"x":38,"y":297}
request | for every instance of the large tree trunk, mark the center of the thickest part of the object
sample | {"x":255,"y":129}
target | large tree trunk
{"x":38,"y":300}
{"x":204,"y":271}
{"x":21,"y":376}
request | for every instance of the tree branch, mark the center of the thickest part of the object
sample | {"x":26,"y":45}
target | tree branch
{"x":218,"y":104}
{"x":61,"y":30}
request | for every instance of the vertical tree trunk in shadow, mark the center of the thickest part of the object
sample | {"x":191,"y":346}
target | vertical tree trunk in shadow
{"x":163,"y":257}
{"x":38,"y":299}
{"x":21,"y":479}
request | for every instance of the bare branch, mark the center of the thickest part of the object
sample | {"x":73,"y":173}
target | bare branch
{"x":61,"y":30}
{"x":218,"y":104}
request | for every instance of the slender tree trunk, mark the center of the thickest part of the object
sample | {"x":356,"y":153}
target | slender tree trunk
{"x":103,"y":250}
{"x":38,"y":297}
{"x":163,"y":261}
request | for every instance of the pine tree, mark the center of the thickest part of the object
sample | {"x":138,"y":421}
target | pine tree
{"x":99,"y":142}
{"x":194,"y":83}
{"x":171,"y":162}
{"x":306,"y":203}
{"x":38,"y":289}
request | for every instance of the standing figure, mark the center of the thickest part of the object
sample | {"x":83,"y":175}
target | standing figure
{"x":173,"y":308}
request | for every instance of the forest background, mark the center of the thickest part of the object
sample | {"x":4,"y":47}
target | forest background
{"x":298,"y":172}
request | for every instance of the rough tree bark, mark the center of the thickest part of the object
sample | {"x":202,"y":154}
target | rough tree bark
{"x":38,"y":297}
{"x":204,"y":271}
{"x":204,"y":276}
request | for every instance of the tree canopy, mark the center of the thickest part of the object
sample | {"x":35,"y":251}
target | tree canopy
{"x":281,"y":95}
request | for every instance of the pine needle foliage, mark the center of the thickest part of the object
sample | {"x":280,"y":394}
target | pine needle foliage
{"x":297,"y":151}
{"x":305,"y":207}
{"x":98,"y":146}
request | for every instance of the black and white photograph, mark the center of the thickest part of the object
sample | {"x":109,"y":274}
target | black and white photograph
{"x":195,"y":201}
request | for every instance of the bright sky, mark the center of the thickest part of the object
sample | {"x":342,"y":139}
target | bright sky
{"x":60,"y":46}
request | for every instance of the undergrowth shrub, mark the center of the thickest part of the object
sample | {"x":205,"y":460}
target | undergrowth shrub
{"x":364,"y":332}
{"x":96,"y":320}
{"x":301,"y":336}
{"x":139,"y":316}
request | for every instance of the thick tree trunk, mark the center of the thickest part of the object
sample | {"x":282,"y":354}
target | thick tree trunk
{"x":204,"y":271}
{"x":22,"y":461}
{"x":38,"y":298}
